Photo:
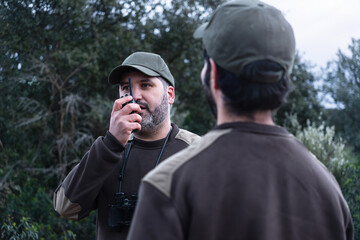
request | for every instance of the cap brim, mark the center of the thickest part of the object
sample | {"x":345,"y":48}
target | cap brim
{"x":116,"y":74}
{"x":199,"y":32}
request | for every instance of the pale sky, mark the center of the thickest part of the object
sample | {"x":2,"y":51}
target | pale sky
{"x":321,"y":26}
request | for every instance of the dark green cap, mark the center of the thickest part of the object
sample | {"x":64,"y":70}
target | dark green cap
{"x":148,"y":63}
{"x":243,"y":31}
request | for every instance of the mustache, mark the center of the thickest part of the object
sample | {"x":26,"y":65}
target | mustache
{"x":144,"y":104}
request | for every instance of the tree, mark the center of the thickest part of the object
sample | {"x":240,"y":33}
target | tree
{"x":343,"y":85}
{"x":54,"y":63}
{"x":169,"y":32}
{"x":56,"y":49}
{"x":303,"y":100}
{"x":55,"y":57}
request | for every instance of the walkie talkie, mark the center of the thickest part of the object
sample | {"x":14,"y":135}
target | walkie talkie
{"x":132,"y":100}
{"x":131,"y":94}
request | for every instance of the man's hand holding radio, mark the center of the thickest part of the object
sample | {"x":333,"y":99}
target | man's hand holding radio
{"x":122,"y":121}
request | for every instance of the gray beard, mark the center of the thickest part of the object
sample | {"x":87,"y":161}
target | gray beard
{"x":151,"y":121}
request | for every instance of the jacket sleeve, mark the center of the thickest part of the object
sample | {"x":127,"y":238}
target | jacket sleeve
{"x":76,"y":195}
{"x":155,"y":216}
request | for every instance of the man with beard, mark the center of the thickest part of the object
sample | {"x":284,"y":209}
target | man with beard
{"x":140,"y":136}
{"x":247,"y":178}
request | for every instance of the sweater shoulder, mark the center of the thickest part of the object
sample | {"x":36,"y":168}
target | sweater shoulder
{"x":187,"y":136}
{"x":162,"y":176}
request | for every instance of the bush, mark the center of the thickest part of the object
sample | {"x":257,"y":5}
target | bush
{"x":320,"y":140}
{"x":10,"y":230}
{"x":350,"y":185}
{"x":29,"y":214}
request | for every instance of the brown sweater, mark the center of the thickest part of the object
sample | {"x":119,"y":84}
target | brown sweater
{"x":242,"y":181}
{"x":93,"y":183}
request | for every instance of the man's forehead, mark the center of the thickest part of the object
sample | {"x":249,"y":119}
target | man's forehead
{"x":137,"y":78}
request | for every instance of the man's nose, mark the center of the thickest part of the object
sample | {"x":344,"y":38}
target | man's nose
{"x":136,"y":93}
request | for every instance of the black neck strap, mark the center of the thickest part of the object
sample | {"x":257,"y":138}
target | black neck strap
{"x":127,"y":153}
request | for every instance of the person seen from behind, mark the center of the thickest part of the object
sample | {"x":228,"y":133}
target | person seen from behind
{"x":247,"y":178}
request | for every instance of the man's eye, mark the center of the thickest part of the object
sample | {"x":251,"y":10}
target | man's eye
{"x":125,"y":88}
{"x":145,"y":85}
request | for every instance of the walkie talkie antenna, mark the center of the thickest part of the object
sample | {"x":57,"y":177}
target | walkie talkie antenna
{"x":130,"y":90}
{"x":131,"y":93}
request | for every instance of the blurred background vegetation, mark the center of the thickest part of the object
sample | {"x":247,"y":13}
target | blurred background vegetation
{"x":55,"y":56}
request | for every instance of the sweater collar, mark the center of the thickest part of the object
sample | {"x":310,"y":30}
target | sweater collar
{"x":253,"y":127}
{"x":157,"y":143}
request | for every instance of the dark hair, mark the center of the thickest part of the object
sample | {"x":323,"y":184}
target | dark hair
{"x":248,"y":92}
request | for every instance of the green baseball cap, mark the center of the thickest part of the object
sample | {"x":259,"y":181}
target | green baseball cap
{"x":243,"y":31}
{"x":148,"y":63}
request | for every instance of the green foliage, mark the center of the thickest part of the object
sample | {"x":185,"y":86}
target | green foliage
{"x":303,"y":100}
{"x":350,"y":185}
{"x":343,"y":85}
{"x":28,"y":230}
{"x":11,"y":230}
{"x":55,"y":57}
{"x":320,"y":140}
{"x":33,"y":200}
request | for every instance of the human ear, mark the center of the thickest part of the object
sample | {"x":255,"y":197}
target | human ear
{"x":171,"y":94}
{"x":214,"y":75}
